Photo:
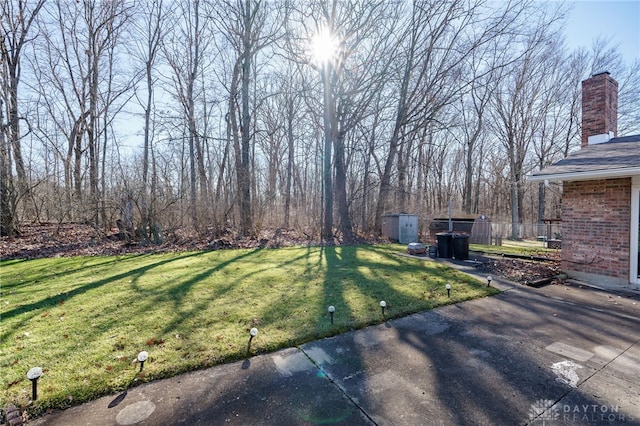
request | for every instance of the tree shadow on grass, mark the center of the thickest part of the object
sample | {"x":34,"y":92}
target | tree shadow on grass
{"x":181,"y":290}
{"x":35,"y":307}
{"x":51,"y":268}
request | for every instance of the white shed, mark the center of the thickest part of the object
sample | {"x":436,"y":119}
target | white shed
{"x":401,"y":227}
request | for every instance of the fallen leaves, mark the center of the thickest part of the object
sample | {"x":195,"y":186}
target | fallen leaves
{"x":68,"y":239}
{"x":521,"y":270}
{"x":155,"y":341}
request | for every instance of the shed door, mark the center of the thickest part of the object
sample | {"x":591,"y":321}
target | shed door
{"x":408,"y":229}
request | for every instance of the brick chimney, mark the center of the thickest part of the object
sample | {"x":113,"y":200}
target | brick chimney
{"x":599,"y":109}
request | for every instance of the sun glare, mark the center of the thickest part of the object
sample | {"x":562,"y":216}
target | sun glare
{"x":324,"y":46}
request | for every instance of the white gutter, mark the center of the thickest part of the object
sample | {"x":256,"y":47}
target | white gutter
{"x":590,"y":175}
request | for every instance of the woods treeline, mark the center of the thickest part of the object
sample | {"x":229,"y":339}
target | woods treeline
{"x":317,"y":115}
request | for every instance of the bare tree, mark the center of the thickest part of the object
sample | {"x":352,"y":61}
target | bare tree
{"x":248,"y":26}
{"x":517,"y":107}
{"x":16,"y":21}
{"x":484,"y":65}
{"x":189,"y":37}
{"x":356,"y":39}
{"x":438,"y":38}
{"x":557,"y":105}
{"x":293,"y":104}
{"x":150,"y":29}
{"x":81,"y":90}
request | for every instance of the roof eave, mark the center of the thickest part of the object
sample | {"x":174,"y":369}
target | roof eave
{"x":586,"y":175}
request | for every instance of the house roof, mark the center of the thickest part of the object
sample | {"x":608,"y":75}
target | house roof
{"x":619,"y":157}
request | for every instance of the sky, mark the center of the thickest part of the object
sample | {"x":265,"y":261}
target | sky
{"x":616,"y":19}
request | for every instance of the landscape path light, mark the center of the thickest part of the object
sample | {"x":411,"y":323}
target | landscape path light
{"x":383,"y":305}
{"x":142,"y":357}
{"x":332,"y":309}
{"x":34,"y":374}
{"x":489,"y":279}
{"x":448,"y":287}
{"x":252,"y":333}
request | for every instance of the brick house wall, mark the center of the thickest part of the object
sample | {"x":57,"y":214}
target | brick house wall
{"x":596,"y":227}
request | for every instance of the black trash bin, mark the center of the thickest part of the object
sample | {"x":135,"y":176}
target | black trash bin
{"x":461,"y":246}
{"x":445,"y":246}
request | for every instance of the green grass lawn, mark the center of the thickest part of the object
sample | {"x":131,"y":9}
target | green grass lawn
{"x":524,"y":247}
{"x":84,"y":319}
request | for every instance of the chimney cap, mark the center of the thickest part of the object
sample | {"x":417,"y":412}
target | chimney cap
{"x":601,"y":73}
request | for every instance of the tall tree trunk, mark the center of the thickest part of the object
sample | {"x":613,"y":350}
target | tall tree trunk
{"x":92,"y":140}
{"x":144,"y":209}
{"x":290,"y":158}
{"x":246,"y":215}
{"x":346,"y":228}
{"x":192,"y":182}
{"x":77,"y":165}
{"x":401,"y":115}
{"x":327,"y":172}
{"x":468,"y":178}
{"x":366,"y":178}
{"x":14,"y":130}
{"x":8,"y":225}
{"x":195,"y":156}
{"x":152,"y":37}
{"x":479,"y":170}
{"x":225,"y":157}
{"x":513,"y":195}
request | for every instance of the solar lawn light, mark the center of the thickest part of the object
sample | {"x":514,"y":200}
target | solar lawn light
{"x":332,"y":309}
{"x":252,"y":333}
{"x":383,"y":305}
{"x":142,"y":357}
{"x":489,"y":279}
{"x":448,"y":287}
{"x":34,"y":374}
